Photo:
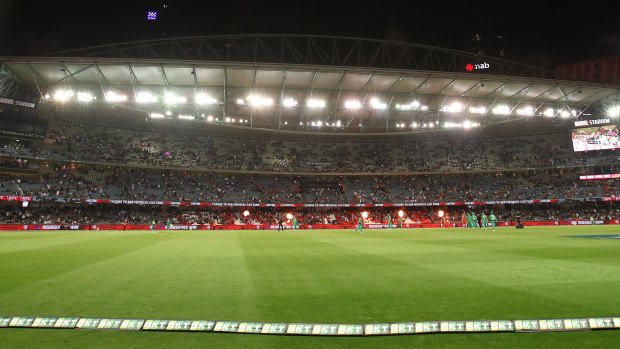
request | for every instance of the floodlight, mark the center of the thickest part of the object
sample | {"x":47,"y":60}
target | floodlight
{"x":240,"y":101}
{"x":84,"y":97}
{"x":289,"y":216}
{"x":401,"y":213}
{"x":156,"y":116}
{"x":375,"y":103}
{"x":352,"y":104}
{"x":316,"y":103}
{"x":364,"y":214}
{"x":210,"y":118}
{"x":202,"y":99}
{"x":477,"y":110}
{"x":338,"y":123}
{"x":614,"y":111}
{"x":549,"y":112}
{"x":112,"y":96}
{"x":63,"y":95}
{"x":455,"y":107}
{"x":501,"y":109}
{"x":440,"y":213}
{"x":145,"y":97}
{"x":246,"y":213}
{"x":527,"y":110}
{"x":289,"y":103}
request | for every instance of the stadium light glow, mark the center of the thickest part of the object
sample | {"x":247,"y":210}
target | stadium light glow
{"x":614,"y":111}
{"x":84,"y":97}
{"x":525,"y":111}
{"x":171,"y":98}
{"x":246,"y":213}
{"x":550,"y":112}
{"x":565,"y":113}
{"x":375,"y":103}
{"x":364,"y":214}
{"x":47,"y":96}
{"x":289,"y":216}
{"x":210,"y":118}
{"x":414,"y":125}
{"x":466,"y":124}
{"x":145,"y":97}
{"x":203,"y":99}
{"x":62,"y":95}
{"x":168,"y":112}
{"x":289,"y":103}
{"x":352,"y":104}
{"x":338,"y":123}
{"x":431,"y":125}
{"x":424,"y":107}
{"x":440,"y":213}
{"x":404,"y":106}
{"x":501,"y":109}
{"x":227,"y":119}
{"x":477,"y":110}
{"x":240,"y":101}
{"x":156,"y":116}
{"x":319,"y":123}
{"x":186,"y":117}
{"x":401,"y":213}
{"x":112,"y":96}
{"x":455,"y":107}
{"x":258,"y":101}
{"x":315,"y":103}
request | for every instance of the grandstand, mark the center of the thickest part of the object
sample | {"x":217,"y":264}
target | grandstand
{"x":235,"y":132}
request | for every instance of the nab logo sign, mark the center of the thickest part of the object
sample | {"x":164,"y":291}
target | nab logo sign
{"x":472,"y":67}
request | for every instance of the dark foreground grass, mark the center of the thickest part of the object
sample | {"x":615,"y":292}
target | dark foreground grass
{"x":327,"y":276}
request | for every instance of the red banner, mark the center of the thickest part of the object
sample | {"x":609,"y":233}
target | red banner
{"x":275,"y":226}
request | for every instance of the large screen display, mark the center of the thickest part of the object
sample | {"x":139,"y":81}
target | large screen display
{"x":596,"y":138}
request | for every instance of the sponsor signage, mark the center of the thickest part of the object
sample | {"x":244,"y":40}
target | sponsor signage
{"x":310,"y":329}
{"x":4,"y":321}
{"x":583,"y":123}
{"x":11,"y":101}
{"x":600,"y":176}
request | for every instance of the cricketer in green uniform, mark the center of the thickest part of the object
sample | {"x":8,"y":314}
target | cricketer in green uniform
{"x":389,"y":219}
{"x":400,"y":222}
{"x":468,"y":219}
{"x":168,"y":224}
{"x":474,"y":220}
{"x":294,"y":223}
{"x":360,"y":225}
{"x":153,"y":225}
{"x":493,"y":219}
{"x":484,"y":221}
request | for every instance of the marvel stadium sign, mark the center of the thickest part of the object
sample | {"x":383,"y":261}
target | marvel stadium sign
{"x":582,"y":123}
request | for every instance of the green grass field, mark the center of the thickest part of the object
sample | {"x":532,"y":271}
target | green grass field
{"x":326,"y":276}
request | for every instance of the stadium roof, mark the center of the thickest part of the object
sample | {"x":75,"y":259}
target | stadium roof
{"x":301,"y":83}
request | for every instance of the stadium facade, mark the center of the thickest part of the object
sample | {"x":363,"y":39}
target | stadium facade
{"x":300,"y":121}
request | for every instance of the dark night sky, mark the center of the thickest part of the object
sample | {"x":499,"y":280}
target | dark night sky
{"x":557,"y":33}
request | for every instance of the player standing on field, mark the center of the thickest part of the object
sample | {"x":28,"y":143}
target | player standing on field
{"x":474,"y":220}
{"x":484,"y":220}
{"x":294,"y":223}
{"x":389,"y":219}
{"x":464,"y":217}
{"x":400,"y":222}
{"x":360,"y":225}
{"x":492,"y":218}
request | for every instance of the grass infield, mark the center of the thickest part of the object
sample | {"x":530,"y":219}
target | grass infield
{"x":322,"y":276}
